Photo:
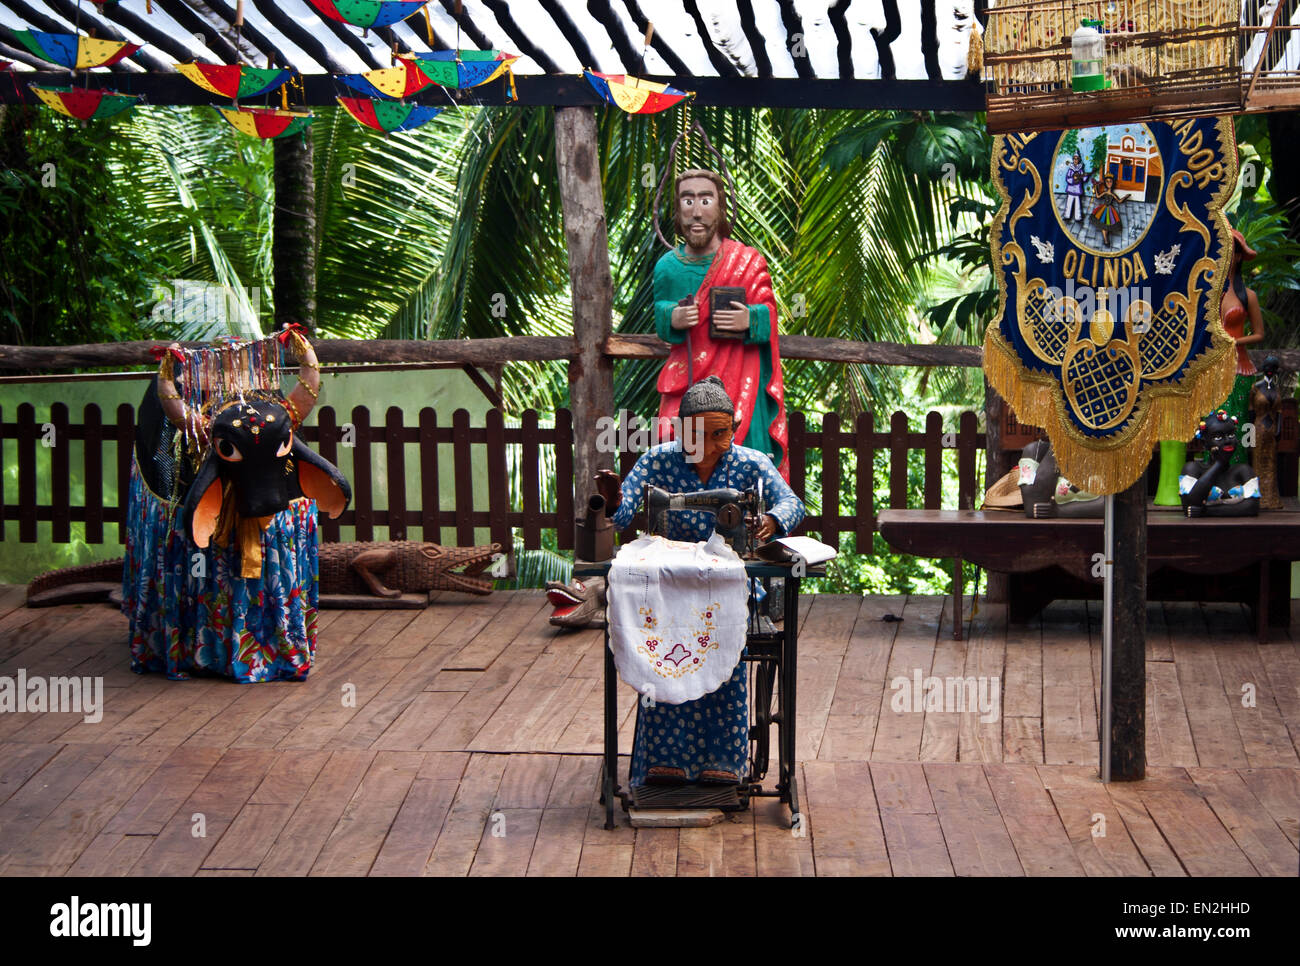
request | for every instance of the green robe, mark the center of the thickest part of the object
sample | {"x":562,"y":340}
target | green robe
{"x":676,"y":278}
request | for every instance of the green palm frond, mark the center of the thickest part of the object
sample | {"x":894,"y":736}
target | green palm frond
{"x":203,"y":199}
{"x":533,"y":568}
{"x":385,"y":208}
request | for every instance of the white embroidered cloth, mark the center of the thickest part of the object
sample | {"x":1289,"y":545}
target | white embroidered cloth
{"x":677,"y":616}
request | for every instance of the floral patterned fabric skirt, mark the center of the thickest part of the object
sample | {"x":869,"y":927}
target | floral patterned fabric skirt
{"x":711,"y":732}
{"x":190,"y":611}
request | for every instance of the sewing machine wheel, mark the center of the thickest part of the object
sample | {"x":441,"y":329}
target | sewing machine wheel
{"x":761,"y":730}
{"x":729,"y":516}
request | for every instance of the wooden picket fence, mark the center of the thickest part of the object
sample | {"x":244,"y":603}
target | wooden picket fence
{"x":108,"y":449}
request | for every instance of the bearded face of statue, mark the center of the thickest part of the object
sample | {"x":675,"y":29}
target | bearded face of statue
{"x":699,"y":214}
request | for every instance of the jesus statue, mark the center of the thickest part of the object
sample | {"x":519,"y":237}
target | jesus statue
{"x":748,"y":362}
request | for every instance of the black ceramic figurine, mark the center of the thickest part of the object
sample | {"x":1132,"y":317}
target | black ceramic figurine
{"x":1218,"y":488}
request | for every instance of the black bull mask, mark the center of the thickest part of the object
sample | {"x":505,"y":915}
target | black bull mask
{"x":255,"y":466}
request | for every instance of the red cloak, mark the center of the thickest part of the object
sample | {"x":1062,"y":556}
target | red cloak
{"x":734,"y":362}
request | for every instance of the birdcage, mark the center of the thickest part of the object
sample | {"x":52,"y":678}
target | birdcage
{"x":1270,"y":57}
{"x":1162,"y":58}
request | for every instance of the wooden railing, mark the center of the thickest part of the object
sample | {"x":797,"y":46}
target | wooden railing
{"x":107,"y":454}
{"x":384,"y":442}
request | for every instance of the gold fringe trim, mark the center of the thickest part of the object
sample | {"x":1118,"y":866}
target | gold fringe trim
{"x":1105,"y":466}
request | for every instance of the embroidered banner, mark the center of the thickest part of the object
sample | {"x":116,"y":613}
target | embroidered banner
{"x":1111,"y":251}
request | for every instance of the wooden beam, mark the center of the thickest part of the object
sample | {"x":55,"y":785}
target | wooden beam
{"x":149,"y":32}
{"x":456,"y":10}
{"x":1128,"y":639}
{"x":303,"y":38}
{"x":572,"y":33}
{"x":721,"y":63}
{"x":656,"y":41}
{"x":591,"y":371}
{"x":190,"y":21}
{"x":534,"y":348}
{"x":481,"y":352}
{"x":628,"y":54}
{"x":757,"y":42}
{"x":253,"y":43}
{"x":627,"y":346}
{"x":794,"y":27}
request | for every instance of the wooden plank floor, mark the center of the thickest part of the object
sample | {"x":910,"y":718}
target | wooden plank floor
{"x":464,"y":740}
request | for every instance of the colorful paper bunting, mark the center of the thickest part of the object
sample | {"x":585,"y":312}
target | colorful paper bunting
{"x":393,"y":83}
{"x":388,"y":116}
{"x":367,"y":13}
{"x":634,"y":95}
{"x":235,"y":81}
{"x":74,"y":51}
{"x":266,"y":122}
{"x":85,"y":105}
{"x":465,"y":68}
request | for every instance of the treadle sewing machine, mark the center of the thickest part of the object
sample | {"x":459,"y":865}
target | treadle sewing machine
{"x":737,"y":512}
{"x":771,"y":652}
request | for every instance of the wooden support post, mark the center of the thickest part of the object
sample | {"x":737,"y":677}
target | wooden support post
{"x":1128,"y":662}
{"x":293,"y":243}
{"x":591,"y":372}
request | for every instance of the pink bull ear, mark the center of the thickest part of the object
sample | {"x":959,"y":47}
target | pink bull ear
{"x":206,"y":512}
{"x":317,"y":485}
{"x":320,"y":480}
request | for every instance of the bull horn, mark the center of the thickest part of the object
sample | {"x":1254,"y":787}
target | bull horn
{"x":304,"y":395}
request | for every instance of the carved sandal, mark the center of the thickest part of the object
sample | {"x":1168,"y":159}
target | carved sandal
{"x":716,"y":776}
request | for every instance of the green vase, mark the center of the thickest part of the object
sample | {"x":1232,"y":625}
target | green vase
{"x":1173,"y":455}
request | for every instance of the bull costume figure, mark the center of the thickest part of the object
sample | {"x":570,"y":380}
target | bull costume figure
{"x":220,"y":574}
{"x":705,"y":740}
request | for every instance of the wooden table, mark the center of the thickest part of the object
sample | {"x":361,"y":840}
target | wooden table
{"x":1246,"y":559}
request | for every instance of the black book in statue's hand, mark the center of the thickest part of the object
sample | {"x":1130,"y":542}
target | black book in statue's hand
{"x":720,"y":299}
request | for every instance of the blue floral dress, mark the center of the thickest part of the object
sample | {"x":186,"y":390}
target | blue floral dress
{"x":190,"y":611}
{"x":713,"y":731}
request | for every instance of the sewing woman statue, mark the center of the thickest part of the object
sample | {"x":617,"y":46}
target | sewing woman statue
{"x":738,"y":342}
{"x":707,"y":739}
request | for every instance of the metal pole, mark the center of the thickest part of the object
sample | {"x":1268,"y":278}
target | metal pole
{"x":1107,"y":634}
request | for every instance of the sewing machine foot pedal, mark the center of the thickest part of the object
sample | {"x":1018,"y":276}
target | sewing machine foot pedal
{"x":725,"y":797}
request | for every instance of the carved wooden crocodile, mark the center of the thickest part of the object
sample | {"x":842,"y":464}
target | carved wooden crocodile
{"x":405,"y":566}
{"x":386,"y":569}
